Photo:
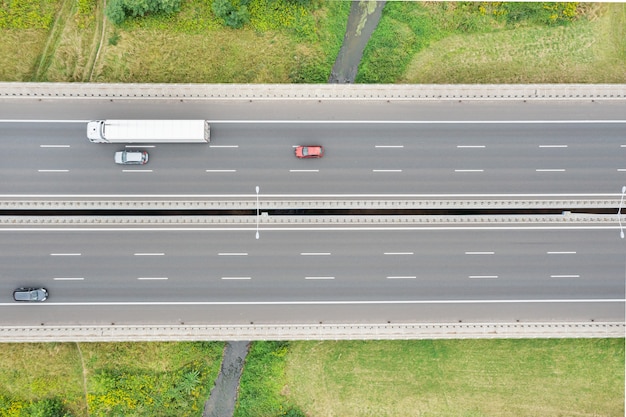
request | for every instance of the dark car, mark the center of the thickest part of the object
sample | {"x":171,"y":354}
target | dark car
{"x":311,"y":151}
{"x":30,"y":294}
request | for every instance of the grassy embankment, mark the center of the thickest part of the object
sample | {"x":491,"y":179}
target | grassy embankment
{"x":516,"y":378}
{"x":107,"y":379}
{"x":64,"y":41}
{"x":465,"y":43}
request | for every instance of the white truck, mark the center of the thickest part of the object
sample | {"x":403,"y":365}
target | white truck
{"x":148,"y":131}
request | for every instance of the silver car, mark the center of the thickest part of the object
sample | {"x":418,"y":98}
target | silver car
{"x":30,"y":294}
{"x":131,"y":157}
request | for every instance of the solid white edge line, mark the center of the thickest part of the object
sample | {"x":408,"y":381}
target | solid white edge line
{"x":356,"y":302}
{"x":65,"y":254}
{"x":140,"y":196}
{"x":296,"y":229}
{"x":266,"y":121}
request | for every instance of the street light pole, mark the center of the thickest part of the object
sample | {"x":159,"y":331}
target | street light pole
{"x":257,"y":210}
{"x":619,"y":213}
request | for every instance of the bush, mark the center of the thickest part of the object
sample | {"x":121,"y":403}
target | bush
{"x":233,"y":16}
{"x":118,"y":10}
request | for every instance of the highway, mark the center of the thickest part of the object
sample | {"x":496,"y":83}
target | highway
{"x":361,"y":158}
{"x":187,"y":272}
{"x":143,"y":275}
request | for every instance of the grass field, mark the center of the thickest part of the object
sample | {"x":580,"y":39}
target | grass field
{"x":442,"y":43}
{"x":473,"y":378}
{"x":108,"y":379}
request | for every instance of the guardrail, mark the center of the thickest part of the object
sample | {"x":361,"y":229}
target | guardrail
{"x":388,"y":331}
{"x":317,"y":91}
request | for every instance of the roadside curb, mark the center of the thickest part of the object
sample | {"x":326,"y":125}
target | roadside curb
{"x":399,"y":331}
{"x":316,"y":91}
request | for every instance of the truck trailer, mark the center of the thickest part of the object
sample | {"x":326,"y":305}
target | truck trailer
{"x":148,"y":131}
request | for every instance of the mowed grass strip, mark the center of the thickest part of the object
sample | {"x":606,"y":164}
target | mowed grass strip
{"x":554,"y":377}
{"x":585,"y":51}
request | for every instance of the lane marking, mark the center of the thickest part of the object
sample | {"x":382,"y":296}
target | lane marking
{"x":398,"y":253}
{"x":149,"y":254}
{"x":553,"y":146}
{"x":140,"y":146}
{"x":220,"y":170}
{"x":223,"y":146}
{"x":402,"y":277}
{"x":265,"y":121}
{"x":564,"y":276}
{"x":140,"y":196}
{"x":389,"y":146}
{"x":469,"y":170}
{"x":304,"y":170}
{"x":232,"y":254}
{"x":550,"y":170}
{"x":54,"y":146}
{"x":53,"y":170}
{"x":353,"y":302}
{"x":561,"y":253}
{"x":299,"y":228}
{"x":69,"y":279}
{"x":319,"y":277}
{"x":386,"y":170}
{"x":482,"y":276}
{"x":315,"y":253}
{"x":152,"y":278}
{"x":445,"y":122}
{"x":236,"y":278}
{"x":136,"y":170}
{"x":621,"y":169}
{"x":470,"y":146}
{"x":479,"y":253}
{"x":65,"y":254}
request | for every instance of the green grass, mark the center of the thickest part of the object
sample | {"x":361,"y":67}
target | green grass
{"x":262,"y":381}
{"x":121,"y":379}
{"x":460,"y":43}
{"x":457,"y":378}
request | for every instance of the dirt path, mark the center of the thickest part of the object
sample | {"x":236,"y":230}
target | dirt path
{"x":221,"y":402}
{"x":363,"y":19}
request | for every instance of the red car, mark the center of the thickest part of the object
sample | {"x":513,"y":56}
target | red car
{"x":315,"y":151}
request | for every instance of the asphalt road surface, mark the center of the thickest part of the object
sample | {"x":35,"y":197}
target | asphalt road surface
{"x":229,"y":276}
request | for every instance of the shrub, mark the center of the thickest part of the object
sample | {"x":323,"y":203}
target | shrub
{"x":118,"y":10}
